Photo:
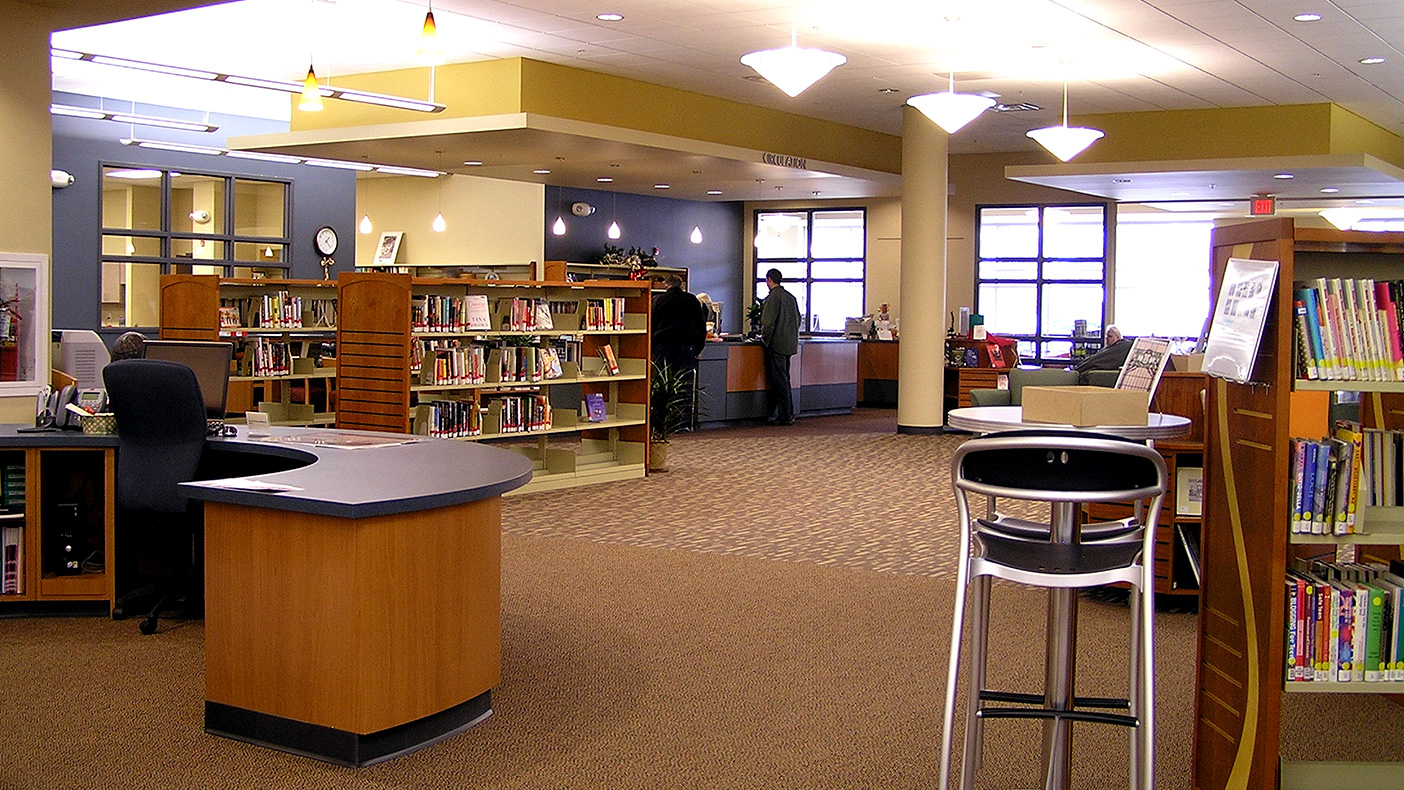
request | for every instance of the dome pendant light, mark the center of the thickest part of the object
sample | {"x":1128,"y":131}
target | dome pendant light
{"x":794,"y":68}
{"x":951,"y":110}
{"x":311,"y":92}
{"x":1065,"y":141}
{"x":429,"y":50}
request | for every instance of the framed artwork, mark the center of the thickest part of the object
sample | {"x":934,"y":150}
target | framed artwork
{"x":388,"y":247}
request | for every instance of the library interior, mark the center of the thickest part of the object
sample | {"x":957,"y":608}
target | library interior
{"x":599,"y":394}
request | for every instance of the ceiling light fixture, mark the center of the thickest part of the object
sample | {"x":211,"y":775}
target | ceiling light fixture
{"x":328,"y":92}
{"x":1342,"y":218}
{"x":696,"y":237}
{"x":473,"y":163}
{"x":438,"y":224}
{"x":429,"y":50}
{"x":951,"y":110}
{"x":1284,"y":176}
{"x":1330,"y":190}
{"x":1371,"y":61}
{"x":131,"y":118}
{"x":614,"y":232}
{"x":1065,"y":141}
{"x":794,"y":68}
{"x":311,"y":92}
{"x":365,"y":224}
{"x":184,"y":148}
{"x":714,"y":191}
{"x":1307,"y":18}
{"x":559,"y":226}
{"x":610,"y":17}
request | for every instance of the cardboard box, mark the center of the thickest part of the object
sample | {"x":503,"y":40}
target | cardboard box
{"x":1084,"y":406}
{"x":1187,"y":363}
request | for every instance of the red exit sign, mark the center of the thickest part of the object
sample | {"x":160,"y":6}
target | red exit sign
{"x":1263,"y":207}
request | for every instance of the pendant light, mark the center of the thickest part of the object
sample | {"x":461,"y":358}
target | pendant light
{"x":1065,"y":141}
{"x":365,"y":224}
{"x":438,"y":224}
{"x":696,"y":237}
{"x":951,"y":110}
{"x":559,"y":227}
{"x":794,"y":68}
{"x":614,"y":232}
{"x":311,"y":92}
{"x":429,"y":50}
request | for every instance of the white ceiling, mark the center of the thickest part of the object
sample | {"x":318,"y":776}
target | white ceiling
{"x":1118,"y":55}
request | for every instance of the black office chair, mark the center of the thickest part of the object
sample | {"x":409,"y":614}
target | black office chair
{"x":161,"y":433}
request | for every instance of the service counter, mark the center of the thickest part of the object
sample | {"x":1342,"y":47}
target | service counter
{"x":823,"y":378}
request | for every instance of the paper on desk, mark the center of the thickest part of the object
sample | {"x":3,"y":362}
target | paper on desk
{"x":245,"y":484}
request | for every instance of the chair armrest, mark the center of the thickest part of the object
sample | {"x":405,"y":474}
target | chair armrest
{"x":989,"y":397}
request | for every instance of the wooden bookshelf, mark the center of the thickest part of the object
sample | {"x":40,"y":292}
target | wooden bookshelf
{"x":561,"y":271}
{"x":1247,"y":544}
{"x":380,"y":391}
{"x":303,"y":395}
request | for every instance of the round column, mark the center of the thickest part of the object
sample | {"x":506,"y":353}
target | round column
{"x":921,"y":300}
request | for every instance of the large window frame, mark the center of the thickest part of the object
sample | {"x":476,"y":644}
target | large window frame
{"x":804,"y":273}
{"x":133,"y":251}
{"x":1036,"y":273}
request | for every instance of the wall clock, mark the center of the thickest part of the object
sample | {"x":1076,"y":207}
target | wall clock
{"x":326,"y":240}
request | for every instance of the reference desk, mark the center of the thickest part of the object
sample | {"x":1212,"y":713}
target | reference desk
{"x":355,"y":616}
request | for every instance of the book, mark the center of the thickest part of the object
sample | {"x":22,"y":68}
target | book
{"x":595,"y":407}
{"x":477,"y":313}
{"x":1144,"y":365}
{"x":1240,"y":313}
{"x":611,"y":365}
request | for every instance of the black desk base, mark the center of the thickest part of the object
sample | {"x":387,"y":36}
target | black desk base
{"x":339,"y":746}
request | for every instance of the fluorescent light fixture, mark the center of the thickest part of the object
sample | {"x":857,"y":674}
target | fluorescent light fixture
{"x":134,"y":175}
{"x":951,"y":110}
{"x":66,"y":54}
{"x":158,"y":68}
{"x":661,"y":186}
{"x":714,"y":191}
{"x":77,"y":112}
{"x":265,"y":157}
{"x":473,"y":163}
{"x":1065,"y":141}
{"x":269,"y":85}
{"x":542,"y":172}
{"x":365,"y":226}
{"x":604,"y":180}
{"x":406,"y":171}
{"x":382,"y":100}
{"x":184,"y":148}
{"x":1342,"y":218}
{"x":127,"y":117}
{"x":339,"y":164}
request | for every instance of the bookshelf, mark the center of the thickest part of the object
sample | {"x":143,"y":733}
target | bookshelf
{"x":281,"y":330}
{"x":56,"y":523}
{"x":1247,"y":546}
{"x":563,"y":271}
{"x":509,"y":270}
{"x":392,"y":330}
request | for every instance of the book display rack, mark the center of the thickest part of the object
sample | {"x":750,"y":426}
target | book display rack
{"x":283,"y":333}
{"x":513,"y":362}
{"x":1248,"y":635}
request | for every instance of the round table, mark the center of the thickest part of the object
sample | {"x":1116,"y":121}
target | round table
{"x":991,"y":419}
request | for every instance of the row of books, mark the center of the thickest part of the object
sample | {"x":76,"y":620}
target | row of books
{"x":1344,"y":623}
{"x":451,"y":419}
{"x":1325,"y":482}
{"x":11,"y":489}
{"x":451,"y":362}
{"x":603,"y":314}
{"x":519,"y":413}
{"x":265,"y":356}
{"x":463,"y":313}
{"x":12,"y":557}
{"x":522,"y":314}
{"x":276,"y":310}
{"x":1348,"y":329}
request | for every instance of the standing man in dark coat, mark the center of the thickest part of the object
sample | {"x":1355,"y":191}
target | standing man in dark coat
{"x":679,"y":327}
{"x":780,"y":322}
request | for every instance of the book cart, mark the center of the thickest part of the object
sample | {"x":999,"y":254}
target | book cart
{"x":279,"y":329}
{"x":1247,"y":543}
{"x":410,"y":363}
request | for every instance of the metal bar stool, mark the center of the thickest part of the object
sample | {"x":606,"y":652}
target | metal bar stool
{"x":1063,"y":469}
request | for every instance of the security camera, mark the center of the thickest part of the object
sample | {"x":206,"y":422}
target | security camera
{"x":200,"y":216}
{"x":60,"y":178}
{"x":582,"y":209}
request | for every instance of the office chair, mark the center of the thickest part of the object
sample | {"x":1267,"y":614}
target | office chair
{"x":161,"y":433}
{"x":1061,"y":470}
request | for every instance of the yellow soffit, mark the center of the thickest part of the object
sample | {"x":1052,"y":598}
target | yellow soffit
{"x":521,"y":85}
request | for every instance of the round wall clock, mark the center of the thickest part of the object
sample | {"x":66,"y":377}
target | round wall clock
{"x":326,"y":240}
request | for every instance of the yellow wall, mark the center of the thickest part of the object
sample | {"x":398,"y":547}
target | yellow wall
{"x":488,"y":220}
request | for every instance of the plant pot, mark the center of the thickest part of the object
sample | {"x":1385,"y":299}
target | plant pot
{"x":657,"y":456}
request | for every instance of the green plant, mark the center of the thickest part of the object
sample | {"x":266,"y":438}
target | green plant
{"x":669,"y":401}
{"x":753,"y":315}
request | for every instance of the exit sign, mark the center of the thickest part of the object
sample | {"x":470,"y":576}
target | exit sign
{"x":1264,"y":206}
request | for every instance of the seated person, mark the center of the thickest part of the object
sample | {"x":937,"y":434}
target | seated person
{"x":131,"y":345}
{"x":1111,"y":357}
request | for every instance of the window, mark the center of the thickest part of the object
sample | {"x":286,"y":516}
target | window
{"x":1162,"y":271}
{"x":1041,"y":275}
{"x":158,"y":222}
{"x":821,"y":253}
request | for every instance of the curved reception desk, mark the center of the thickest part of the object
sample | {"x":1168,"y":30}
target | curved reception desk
{"x":823,"y":377}
{"x":352,"y":590}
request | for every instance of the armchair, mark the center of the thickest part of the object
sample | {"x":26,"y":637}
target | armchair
{"x":1018,"y":379}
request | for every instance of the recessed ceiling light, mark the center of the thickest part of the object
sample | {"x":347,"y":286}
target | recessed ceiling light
{"x":604,"y":179}
{"x":1307,"y":18}
{"x":660,"y":186}
{"x":714,"y":191}
{"x":1330,"y":190}
{"x":609,"y":17}
{"x":541,"y":171}
{"x":473,"y":163}
{"x":1284,"y":176}
{"x":1371,"y":61}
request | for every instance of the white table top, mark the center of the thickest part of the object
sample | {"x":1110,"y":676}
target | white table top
{"x":991,"y":419}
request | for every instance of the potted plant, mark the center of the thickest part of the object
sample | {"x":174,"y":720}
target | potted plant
{"x":669,"y":410}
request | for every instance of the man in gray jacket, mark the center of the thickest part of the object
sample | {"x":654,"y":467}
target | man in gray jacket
{"x":780,"y":321}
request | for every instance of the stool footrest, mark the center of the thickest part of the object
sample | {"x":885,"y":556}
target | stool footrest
{"x":1037,"y":699}
{"x":1058,"y":715}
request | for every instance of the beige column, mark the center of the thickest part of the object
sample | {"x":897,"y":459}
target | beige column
{"x":922,"y":298}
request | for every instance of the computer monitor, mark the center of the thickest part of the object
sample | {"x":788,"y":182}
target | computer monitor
{"x":209,"y":360}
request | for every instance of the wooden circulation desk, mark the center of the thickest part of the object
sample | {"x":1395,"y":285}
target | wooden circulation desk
{"x":823,"y":379}
{"x":357,"y":617}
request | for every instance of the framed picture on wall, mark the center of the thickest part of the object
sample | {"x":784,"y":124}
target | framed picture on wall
{"x":388,"y":247}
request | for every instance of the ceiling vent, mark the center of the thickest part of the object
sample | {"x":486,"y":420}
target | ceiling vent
{"x":1022,"y":106}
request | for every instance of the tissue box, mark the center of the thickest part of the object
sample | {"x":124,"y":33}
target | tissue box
{"x":1187,"y":363}
{"x":1083,"y":406}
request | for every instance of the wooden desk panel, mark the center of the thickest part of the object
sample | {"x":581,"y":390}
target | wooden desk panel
{"x":745,"y":368}
{"x":827,"y":363}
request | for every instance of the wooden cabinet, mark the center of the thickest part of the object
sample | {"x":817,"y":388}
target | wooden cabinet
{"x":387,"y":358}
{"x":960,"y":381}
{"x":282,"y":331}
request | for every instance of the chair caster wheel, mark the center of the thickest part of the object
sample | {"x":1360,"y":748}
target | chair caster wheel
{"x":148,"y":626}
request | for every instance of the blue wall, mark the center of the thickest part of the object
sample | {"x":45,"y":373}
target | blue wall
{"x":320,"y":196}
{"x":646,"y":221}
